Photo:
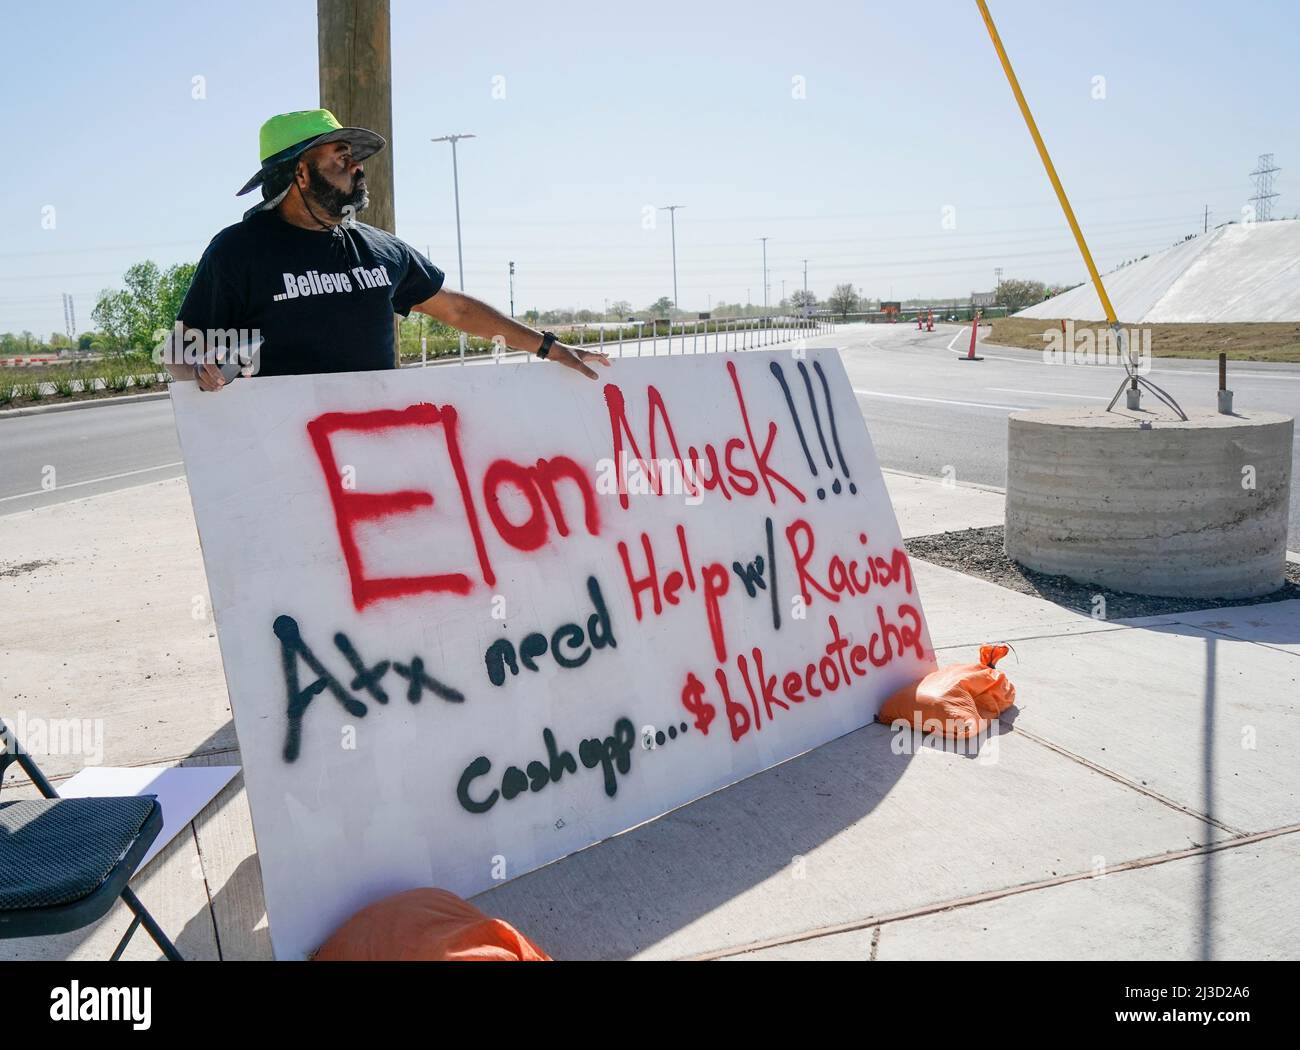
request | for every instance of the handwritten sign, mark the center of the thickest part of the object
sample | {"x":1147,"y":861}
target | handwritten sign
{"x":476,"y":618}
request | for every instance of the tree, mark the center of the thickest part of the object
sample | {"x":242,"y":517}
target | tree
{"x":661,"y":307}
{"x":139,"y":315}
{"x":1053,"y":290}
{"x":1016,"y":294}
{"x":844,"y":300}
{"x":803,"y":302}
{"x":620,"y":308}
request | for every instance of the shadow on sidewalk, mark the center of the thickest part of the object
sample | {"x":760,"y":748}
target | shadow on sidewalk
{"x":623,"y":895}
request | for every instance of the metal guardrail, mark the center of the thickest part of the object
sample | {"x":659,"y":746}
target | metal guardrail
{"x":689,"y":337}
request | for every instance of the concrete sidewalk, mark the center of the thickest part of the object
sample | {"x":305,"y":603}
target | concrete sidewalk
{"x":1146,"y":802}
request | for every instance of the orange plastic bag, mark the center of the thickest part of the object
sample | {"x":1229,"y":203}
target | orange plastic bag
{"x":956,"y":701}
{"x":427,"y":925}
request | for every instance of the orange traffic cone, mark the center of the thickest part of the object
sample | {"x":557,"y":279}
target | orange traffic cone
{"x":970,"y":355}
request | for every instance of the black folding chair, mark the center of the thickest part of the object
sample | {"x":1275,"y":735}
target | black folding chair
{"x":65,"y":861}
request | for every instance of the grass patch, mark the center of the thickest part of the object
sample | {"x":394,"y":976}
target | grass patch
{"x":1241,"y":342}
{"x":80,"y":380}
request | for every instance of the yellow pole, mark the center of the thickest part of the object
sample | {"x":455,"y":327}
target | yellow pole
{"x":1047,"y":163}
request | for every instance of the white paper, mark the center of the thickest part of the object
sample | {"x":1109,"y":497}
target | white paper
{"x":182,"y":792}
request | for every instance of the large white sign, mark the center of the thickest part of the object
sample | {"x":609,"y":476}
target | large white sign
{"x":476,"y":618}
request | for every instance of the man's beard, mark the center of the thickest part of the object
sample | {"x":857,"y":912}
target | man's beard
{"x":332,"y":200}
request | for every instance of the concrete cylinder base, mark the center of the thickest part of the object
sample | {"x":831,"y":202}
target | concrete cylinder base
{"x":1138,"y":502}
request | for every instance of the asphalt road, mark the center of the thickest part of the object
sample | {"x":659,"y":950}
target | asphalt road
{"x":927,"y":412}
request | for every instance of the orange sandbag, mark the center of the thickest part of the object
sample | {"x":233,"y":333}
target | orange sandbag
{"x":427,"y":925}
{"x":956,"y":701}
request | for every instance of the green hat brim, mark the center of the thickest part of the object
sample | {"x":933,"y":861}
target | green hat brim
{"x":365,"y":143}
{"x":269,"y":203}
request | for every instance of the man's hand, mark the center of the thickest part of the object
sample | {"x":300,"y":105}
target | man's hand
{"x":209,"y":376}
{"x":575,"y":358}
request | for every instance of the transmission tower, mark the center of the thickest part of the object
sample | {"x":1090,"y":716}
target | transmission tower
{"x":1263,"y":174}
{"x":70,"y":319}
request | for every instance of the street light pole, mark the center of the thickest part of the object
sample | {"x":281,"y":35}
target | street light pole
{"x":671,"y":209}
{"x":455,"y":182}
{"x":512,"y":288}
{"x":764,"y":240}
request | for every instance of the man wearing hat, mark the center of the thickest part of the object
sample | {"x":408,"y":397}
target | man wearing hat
{"x":319,"y":287}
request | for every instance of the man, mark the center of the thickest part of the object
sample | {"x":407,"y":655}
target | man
{"x":319,"y":287}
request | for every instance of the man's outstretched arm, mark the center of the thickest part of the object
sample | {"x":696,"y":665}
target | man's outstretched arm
{"x":478,"y":318}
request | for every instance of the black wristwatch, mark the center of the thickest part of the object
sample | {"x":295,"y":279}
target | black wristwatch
{"x":548,"y":338}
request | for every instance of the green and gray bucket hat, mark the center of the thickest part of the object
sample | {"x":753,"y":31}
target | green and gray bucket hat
{"x":287,"y":136}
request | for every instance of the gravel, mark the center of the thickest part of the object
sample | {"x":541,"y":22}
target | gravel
{"x":979,"y":552}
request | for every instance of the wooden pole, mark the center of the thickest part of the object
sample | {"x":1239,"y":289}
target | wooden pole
{"x":356,"y":85}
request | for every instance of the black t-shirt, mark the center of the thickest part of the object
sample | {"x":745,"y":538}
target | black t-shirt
{"x":322,"y":300}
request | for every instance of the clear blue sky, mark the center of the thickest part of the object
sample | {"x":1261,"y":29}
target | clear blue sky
{"x":610,"y":107}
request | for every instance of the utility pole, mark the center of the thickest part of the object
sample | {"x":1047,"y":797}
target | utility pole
{"x":764,"y":240}
{"x":356,"y":85}
{"x":354,"y":55}
{"x":1207,"y":220}
{"x":455,"y":182}
{"x":671,"y":209}
{"x":997,"y":283}
{"x":512,"y":288}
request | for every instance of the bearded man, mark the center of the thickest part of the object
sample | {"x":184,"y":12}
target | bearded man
{"x":318,"y":287}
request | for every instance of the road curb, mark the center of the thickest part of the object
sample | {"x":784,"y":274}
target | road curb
{"x":69,"y":406}
{"x":958,"y":484}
